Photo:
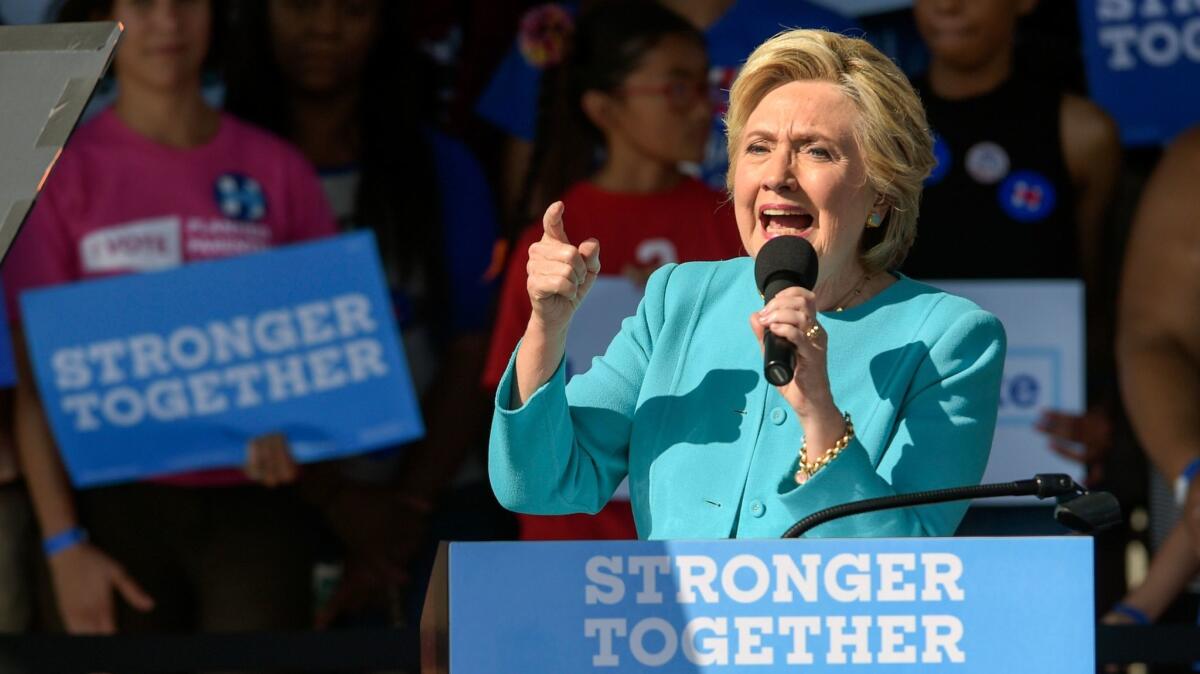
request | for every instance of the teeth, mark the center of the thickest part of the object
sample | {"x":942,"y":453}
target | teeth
{"x":780,"y":211}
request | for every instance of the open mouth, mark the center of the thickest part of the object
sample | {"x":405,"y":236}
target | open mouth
{"x":785,"y":221}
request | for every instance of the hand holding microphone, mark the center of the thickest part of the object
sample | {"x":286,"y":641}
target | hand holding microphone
{"x":794,"y":343}
{"x":559,"y":278}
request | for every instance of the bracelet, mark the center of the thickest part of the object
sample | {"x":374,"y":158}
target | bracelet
{"x":1184,"y":481}
{"x":64,"y":540}
{"x":1132,"y":613}
{"x":806,"y":469}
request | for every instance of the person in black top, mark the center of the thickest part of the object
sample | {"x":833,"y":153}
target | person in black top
{"x":1025,"y":176}
{"x":1026,"y":170}
{"x":1002,"y":187}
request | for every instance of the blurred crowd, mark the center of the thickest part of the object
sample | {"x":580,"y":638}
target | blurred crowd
{"x":447,"y":128}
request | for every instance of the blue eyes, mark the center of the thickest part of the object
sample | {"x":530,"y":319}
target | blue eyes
{"x":813,"y":150}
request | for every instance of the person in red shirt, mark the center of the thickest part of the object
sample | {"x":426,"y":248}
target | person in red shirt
{"x":633,"y":90}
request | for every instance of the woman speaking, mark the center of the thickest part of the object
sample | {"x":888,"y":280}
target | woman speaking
{"x":895,"y":385}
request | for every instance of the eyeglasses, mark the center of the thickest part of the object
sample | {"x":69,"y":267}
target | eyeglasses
{"x":681,"y":95}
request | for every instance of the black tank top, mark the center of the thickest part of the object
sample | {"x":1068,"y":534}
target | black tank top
{"x":1000,"y":203}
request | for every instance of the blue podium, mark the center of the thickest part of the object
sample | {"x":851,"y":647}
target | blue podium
{"x":897,"y":605}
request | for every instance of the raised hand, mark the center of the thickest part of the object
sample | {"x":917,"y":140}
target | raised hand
{"x":560,"y":274}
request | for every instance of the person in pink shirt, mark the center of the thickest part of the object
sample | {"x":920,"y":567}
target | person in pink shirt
{"x":158,"y":180}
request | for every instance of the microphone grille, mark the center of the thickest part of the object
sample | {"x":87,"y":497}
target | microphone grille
{"x":792,"y":256}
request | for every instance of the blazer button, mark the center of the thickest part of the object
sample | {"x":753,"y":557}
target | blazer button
{"x":778,"y":416}
{"x":757,"y":508}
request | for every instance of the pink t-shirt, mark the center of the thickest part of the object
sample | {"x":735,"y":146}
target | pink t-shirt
{"x":117,"y":202}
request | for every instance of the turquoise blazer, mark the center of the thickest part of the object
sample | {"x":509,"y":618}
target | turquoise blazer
{"x":679,"y":404}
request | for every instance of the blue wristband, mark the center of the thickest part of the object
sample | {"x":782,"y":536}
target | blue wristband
{"x":1184,"y":481}
{"x":1190,"y":470}
{"x":1130,"y":612}
{"x":63,"y":540}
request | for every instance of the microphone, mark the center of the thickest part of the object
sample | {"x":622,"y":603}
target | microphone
{"x":1077,"y":508}
{"x":782,"y":262}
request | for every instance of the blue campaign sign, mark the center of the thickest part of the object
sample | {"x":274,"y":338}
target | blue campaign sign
{"x":8,"y":370}
{"x":1143,"y":60}
{"x":914,"y":605}
{"x":165,"y":372}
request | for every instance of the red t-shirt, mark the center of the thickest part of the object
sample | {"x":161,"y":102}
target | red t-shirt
{"x":688,"y":222}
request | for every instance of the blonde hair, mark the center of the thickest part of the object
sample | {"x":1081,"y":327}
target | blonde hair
{"x":892,"y":130}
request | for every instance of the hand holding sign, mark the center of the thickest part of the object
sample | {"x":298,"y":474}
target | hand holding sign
{"x":1083,"y":438}
{"x":269,"y":461}
{"x":560,"y":274}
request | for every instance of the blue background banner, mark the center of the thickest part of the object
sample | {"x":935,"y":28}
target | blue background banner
{"x":1143,"y":63}
{"x":166,"y":372}
{"x":922,"y":604}
{"x":8,"y":370}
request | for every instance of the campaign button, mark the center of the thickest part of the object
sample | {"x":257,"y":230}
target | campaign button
{"x":240,"y":197}
{"x":1027,"y":196}
{"x":987,"y":163}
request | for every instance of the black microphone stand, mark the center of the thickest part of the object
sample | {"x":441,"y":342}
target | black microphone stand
{"x":1078,"y":509}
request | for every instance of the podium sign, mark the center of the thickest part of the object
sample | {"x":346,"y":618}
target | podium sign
{"x":932,"y":604}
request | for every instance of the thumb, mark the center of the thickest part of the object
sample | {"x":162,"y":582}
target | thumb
{"x":552,"y":223}
{"x":131,"y":591}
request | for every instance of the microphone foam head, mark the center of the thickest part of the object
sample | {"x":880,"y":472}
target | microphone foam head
{"x":785,"y":261}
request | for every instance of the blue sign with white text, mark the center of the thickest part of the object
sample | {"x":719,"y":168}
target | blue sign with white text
{"x":167,"y":372}
{"x":914,"y":605}
{"x":1143,"y":62}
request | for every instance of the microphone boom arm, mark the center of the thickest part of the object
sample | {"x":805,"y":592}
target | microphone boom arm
{"x":1043,"y":485}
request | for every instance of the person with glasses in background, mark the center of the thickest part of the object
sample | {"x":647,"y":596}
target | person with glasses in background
{"x":731,"y":28}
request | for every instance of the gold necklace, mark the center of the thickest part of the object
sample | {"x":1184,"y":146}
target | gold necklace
{"x":855,"y":292}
